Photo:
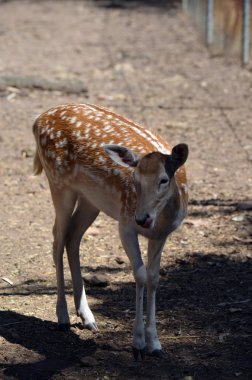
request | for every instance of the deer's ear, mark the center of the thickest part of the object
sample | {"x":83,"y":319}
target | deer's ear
{"x":179,"y":154}
{"x":121,"y":155}
{"x":177,"y":158}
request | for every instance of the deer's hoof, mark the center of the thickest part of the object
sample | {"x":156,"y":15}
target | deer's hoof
{"x":92,"y":326}
{"x":158,"y":354}
{"x":138,"y":352}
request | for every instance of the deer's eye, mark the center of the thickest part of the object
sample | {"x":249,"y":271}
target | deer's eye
{"x":163,"y":182}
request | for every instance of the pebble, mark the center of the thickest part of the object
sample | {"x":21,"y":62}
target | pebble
{"x":100,"y":280}
{"x":89,"y":361}
{"x":119,"y":260}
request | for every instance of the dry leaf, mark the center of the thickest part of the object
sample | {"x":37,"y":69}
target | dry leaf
{"x":8,"y":281}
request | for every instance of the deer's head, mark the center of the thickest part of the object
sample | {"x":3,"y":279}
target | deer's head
{"x":153,"y":178}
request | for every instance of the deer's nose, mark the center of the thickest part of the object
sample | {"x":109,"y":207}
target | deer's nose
{"x":144,"y":221}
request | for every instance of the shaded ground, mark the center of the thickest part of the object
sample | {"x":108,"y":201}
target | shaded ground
{"x":147,"y":63}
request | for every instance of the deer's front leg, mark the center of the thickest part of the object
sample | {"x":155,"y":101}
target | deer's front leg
{"x":154,"y":254}
{"x":130,"y":244}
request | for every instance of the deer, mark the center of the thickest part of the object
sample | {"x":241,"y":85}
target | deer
{"x":96,"y":160}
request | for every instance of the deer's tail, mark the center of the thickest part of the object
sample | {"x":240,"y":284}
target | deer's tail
{"x":37,"y":166}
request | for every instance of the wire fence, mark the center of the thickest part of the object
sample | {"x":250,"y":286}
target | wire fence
{"x":225,"y":25}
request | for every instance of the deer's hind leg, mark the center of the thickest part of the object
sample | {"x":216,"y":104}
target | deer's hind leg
{"x":82,"y":218}
{"x":64,"y":201}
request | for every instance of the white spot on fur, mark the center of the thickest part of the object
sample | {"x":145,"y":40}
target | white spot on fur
{"x":72,"y":120}
{"x":61,"y":143}
{"x":160,"y":147}
{"x":102,"y":159}
{"x":108,"y":128}
{"x":58,"y":161}
{"x":86,"y":134}
{"x":78,"y":134}
{"x":52,"y":112}
{"x":100,"y":113}
{"x":89,"y":106}
{"x":87,"y":112}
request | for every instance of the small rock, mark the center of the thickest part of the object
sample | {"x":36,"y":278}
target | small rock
{"x":27,"y":153}
{"x":111,"y":347}
{"x":234,"y":309}
{"x":119,"y":260}
{"x":11,"y":96}
{"x":100,"y":280}
{"x":223,"y":336}
{"x":177,"y":124}
{"x":125,"y":67}
{"x":89,"y":361}
{"x":239,"y":218}
{"x":184,"y":242}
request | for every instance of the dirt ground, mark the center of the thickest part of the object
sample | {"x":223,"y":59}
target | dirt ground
{"x":146,"y":61}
